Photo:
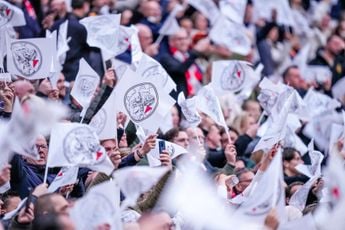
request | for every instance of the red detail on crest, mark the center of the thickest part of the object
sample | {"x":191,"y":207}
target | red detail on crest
{"x":26,"y":108}
{"x":34,"y":62}
{"x":336,"y":192}
{"x":8,"y":11}
{"x":99,"y":154}
{"x":59,"y":174}
{"x":238,"y":73}
{"x":148,"y":109}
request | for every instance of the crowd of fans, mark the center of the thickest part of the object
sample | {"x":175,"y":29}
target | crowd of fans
{"x":187,"y":56}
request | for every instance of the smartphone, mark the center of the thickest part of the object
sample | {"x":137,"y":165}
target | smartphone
{"x":28,"y":200}
{"x":108,"y":64}
{"x":161,"y":145}
{"x":232,"y":181}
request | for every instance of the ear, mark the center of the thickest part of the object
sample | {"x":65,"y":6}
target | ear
{"x":285,"y":164}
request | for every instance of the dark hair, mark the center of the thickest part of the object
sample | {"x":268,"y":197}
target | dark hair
{"x":77,"y":4}
{"x":47,"y":222}
{"x":287,"y":70}
{"x":289,"y":153}
{"x":44,"y":205}
{"x":240,"y":172}
{"x":288,"y":189}
{"x":262,"y":34}
{"x":171,"y":134}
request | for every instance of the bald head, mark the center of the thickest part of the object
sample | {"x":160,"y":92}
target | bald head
{"x":145,"y":35}
{"x":180,"y":40}
{"x":22,"y":88}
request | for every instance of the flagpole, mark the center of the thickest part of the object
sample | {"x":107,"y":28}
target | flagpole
{"x":45,"y":174}
{"x":159,"y":39}
{"x":261,"y":117}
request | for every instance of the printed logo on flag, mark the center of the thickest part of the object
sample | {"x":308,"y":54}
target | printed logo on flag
{"x":233,"y":78}
{"x":141,"y":101}
{"x":190,"y":116}
{"x":155,"y":72}
{"x":86,"y":85}
{"x":6,"y":14}
{"x":170,"y":149}
{"x":98,"y":121}
{"x":267,"y":98}
{"x":27,"y":57}
{"x":82,"y":147}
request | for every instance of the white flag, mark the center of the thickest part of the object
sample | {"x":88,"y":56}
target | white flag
{"x":170,"y":25}
{"x":142,"y":97}
{"x":62,"y":42}
{"x":231,"y":35}
{"x":267,"y":192}
{"x":338,"y":90}
{"x":316,"y":157}
{"x":174,"y":151}
{"x":317,"y":73}
{"x":184,"y":195}
{"x":233,"y":76}
{"x":291,"y":138}
{"x":299,"y":198}
{"x":104,"y":32}
{"x":133,"y":181}
{"x":305,"y":222}
{"x":104,"y":122}
{"x":10,"y":14}
{"x":208,"y":8}
{"x":263,"y":9}
{"x":74,"y":144}
{"x":101,"y":205}
{"x":189,"y":109}
{"x":136,"y":51}
{"x":66,"y":176}
{"x":233,"y":9}
{"x":30,"y":58}
{"x":208,"y":103}
{"x":85,"y":84}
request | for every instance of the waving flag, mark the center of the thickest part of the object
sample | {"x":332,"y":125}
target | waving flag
{"x":233,"y":9}
{"x":267,"y":192}
{"x":208,"y":103}
{"x":104,"y":122}
{"x":189,"y":109}
{"x":66,"y":176}
{"x":30,"y":58}
{"x":299,"y":198}
{"x":10,"y":14}
{"x":170,"y":25}
{"x":231,"y":35}
{"x":142,"y":97}
{"x":133,"y":181}
{"x":62,"y":42}
{"x":208,"y":8}
{"x":74,"y":144}
{"x":264,"y":8}
{"x":101,"y":205}
{"x":233,"y":76}
{"x":174,"y":151}
{"x":104,"y":32}
{"x":85,"y":84}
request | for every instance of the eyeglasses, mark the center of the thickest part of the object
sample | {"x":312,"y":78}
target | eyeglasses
{"x":41,"y":147}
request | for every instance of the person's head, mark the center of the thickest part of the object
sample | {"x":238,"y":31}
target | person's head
{"x":291,"y":158}
{"x":224,"y":136}
{"x":213,"y":138}
{"x":187,"y":24}
{"x":177,"y":136}
{"x":175,"y":116}
{"x":253,"y":108}
{"x":58,"y":7}
{"x":180,"y":40}
{"x":42,"y":149}
{"x":292,"y":77}
{"x":270,"y":32}
{"x":51,"y":203}
{"x":242,"y":122}
{"x":152,"y":11}
{"x":195,"y":134}
{"x":240,"y":164}
{"x":126,"y":17}
{"x":145,"y":35}
{"x":155,"y":221}
{"x":200,"y":21}
{"x":335,"y":45}
{"x":245,"y":177}
{"x":53,"y":222}
{"x":80,"y":7}
{"x":23,"y":88}
{"x":11,"y":202}
{"x":340,"y":29}
{"x":123,"y":143}
{"x":61,"y":85}
{"x":112,"y":150}
{"x":291,"y":189}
